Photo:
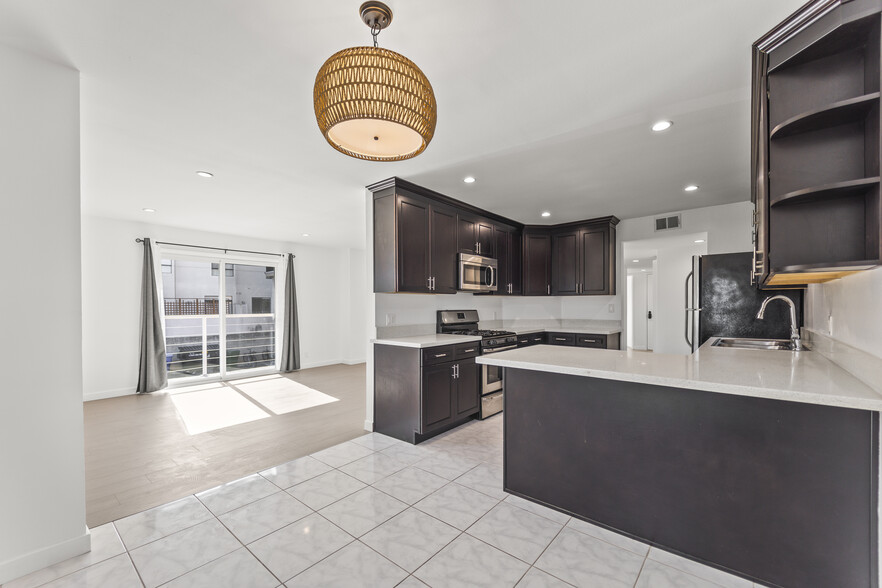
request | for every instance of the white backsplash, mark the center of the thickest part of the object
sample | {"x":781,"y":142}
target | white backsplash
{"x":404,"y":315}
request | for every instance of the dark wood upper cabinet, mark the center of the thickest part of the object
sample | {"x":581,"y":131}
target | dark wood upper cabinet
{"x":517,"y":263}
{"x":583,"y":259}
{"x":466,"y":234}
{"x":597,"y":260}
{"x":537,"y":263}
{"x":413,"y":244}
{"x":418,"y":235}
{"x":507,"y":247}
{"x":486,"y":239}
{"x":816,"y":144}
{"x":443,"y":259}
{"x":565,"y":263}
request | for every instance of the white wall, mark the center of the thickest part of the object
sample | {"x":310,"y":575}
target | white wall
{"x":111,"y":297}
{"x":355,"y":338}
{"x":42,"y":492}
{"x":849,"y":310}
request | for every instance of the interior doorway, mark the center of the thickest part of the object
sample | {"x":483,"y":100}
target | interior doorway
{"x":655,"y":279}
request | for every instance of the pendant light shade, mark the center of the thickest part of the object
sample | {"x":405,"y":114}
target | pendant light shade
{"x":374,"y":104}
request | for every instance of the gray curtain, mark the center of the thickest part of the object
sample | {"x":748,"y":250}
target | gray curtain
{"x":291,"y":331}
{"x":152,"y":374}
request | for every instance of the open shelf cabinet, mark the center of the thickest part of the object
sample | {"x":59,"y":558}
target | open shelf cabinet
{"x":817,"y":145}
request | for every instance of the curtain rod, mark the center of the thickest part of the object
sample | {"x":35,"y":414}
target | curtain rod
{"x":140,"y":240}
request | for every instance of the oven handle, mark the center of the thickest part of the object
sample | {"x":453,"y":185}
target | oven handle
{"x":496,"y":349}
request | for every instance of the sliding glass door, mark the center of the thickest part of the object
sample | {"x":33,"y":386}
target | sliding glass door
{"x":220,"y":316}
{"x":251,"y":321}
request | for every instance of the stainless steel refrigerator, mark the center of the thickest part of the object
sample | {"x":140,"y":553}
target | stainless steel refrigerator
{"x":721,"y":301}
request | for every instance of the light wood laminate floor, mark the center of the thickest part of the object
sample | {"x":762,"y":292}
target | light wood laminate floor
{"x":140,"y":454}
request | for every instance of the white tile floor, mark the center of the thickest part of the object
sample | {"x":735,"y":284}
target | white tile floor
{"x":371,"y":512}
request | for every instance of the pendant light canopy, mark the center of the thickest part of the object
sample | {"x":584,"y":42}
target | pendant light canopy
{"x":372,"y":103}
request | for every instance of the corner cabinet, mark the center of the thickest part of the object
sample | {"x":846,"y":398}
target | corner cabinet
{"x":816,"y":145}
{"x":419,"y":393}
{"x":537,"y":262}
{"x":584,"y":258}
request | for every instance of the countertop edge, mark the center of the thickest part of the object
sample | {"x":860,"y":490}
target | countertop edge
{"x":716,"y":387}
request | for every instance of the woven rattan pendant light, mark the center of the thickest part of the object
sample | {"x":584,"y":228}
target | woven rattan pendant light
{"x":372,"y":103}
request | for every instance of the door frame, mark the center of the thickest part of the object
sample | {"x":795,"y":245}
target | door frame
{"x":224,"y":258}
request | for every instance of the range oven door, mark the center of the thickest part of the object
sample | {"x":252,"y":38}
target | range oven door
{"x":491,"y":378}
{"x":477,"y":273}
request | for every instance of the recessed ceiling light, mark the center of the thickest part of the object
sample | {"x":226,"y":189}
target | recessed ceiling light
{"x":662,"y":125}
{"x":204,"y":174}
{"x":691,"y":188}
{"x":699,"y":240}
{"x":636,"y":260}
{"x":469,"y":179}
{"x":546,"y":213}
{"x":306,"y":234}
{"x":149,"y":209}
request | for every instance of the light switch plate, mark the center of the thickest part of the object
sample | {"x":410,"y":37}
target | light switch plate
{"x":612,"y":307}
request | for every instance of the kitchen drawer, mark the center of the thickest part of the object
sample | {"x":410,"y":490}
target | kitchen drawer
{"x":537,"y":339}
{"x":524,"y":341}
{"x":433,"y":355}
{"x":467,"y":350}
{"x":561,"y":338}
{"x":598,"y":341}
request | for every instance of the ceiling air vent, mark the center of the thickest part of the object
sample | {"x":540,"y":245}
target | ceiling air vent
{"x":667,"y":222}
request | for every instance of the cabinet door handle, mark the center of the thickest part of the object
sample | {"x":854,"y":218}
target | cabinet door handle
{"x":433,"y":283}
{"x":548,"y":288}
{"x":437,"y":355}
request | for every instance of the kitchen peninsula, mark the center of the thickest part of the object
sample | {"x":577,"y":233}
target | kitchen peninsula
{"x":761,"y":463}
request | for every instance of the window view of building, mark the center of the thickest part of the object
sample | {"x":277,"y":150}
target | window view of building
{"x":196,"y":320}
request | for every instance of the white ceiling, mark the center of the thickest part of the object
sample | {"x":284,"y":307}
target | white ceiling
{"x":547,"y":104}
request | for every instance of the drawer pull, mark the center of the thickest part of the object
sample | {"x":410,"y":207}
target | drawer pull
{"x":440,"y":355}
{"x":589,"y":340}
{"x":560,"y":338}
{"x":469,"y":350}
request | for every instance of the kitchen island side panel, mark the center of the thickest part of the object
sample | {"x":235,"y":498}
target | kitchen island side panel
{"x":780,"y":492}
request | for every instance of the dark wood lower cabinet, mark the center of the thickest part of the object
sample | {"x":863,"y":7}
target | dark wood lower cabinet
{"x":437,"y":395}
{"x":468,"y":388}
{"x":611,"y":341}
{"x":419,"y":393}
{"x":781,"y":493}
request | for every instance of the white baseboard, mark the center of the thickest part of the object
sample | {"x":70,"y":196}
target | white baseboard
{"x":45,"y":557}
{"x":354,"y":361}
{"x":108,"y":394}
{"x":369,"y":425}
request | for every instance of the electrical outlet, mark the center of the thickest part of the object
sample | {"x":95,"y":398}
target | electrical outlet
{"x":612,"y":307}
{"x":390,"y":319}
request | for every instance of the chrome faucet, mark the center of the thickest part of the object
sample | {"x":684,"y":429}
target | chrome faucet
{"x":795,"y":341}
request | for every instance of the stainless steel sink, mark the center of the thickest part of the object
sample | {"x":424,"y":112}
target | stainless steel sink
{"x":769,"y":344}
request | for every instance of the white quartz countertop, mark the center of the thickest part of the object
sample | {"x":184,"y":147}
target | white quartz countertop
{"x":421,"y":341}
{"x":806,"y":376}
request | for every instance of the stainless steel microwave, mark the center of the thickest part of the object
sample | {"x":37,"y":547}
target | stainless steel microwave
{"x":477,"y":273}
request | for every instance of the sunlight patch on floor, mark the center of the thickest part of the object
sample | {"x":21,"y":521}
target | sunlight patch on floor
{"x":280,"y":394}
{"x":208,"y":407}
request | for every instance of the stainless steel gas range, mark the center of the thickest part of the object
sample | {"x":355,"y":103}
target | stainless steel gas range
{"x":465,"y":322}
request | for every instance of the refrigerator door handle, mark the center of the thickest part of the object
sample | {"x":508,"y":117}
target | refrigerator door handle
{"x":689,"y":309}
